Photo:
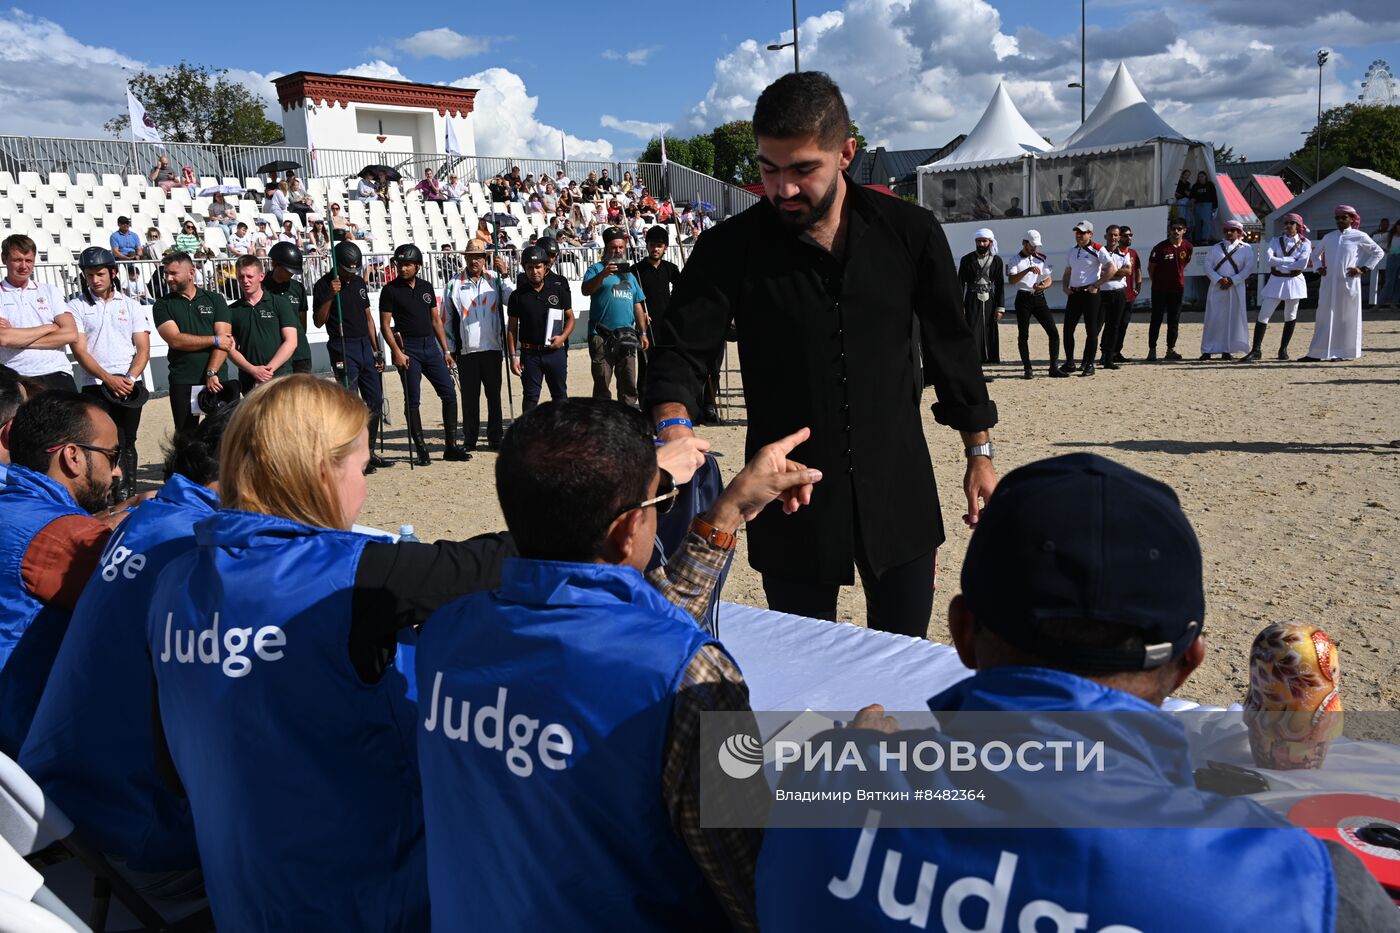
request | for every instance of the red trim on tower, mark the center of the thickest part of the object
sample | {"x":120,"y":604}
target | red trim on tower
{"x":292,"y":89}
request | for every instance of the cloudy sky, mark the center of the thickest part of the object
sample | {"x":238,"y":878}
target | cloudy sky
{"x":915,"y":72}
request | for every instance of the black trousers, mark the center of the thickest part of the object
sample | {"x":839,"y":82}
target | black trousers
{"x":354,"y":365}
{"x":1124,"y":320}
{"x":128,"y":421}
{"x":1166,"y":304}
{"x":59,"y":380}
{"x":425,"y":359}
{"x":1083,"y":305}
{"x":1032,"y":305}
{"x":180,"y":395}
{"x":900,"y":600}
{"x":1111,"y":303}
{"x":480,"y":371}
{"x":302,"y":366}
{"x":549,"y":366}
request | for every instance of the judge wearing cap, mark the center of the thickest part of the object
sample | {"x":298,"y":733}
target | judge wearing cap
{"x":1087,"y":268}
{"x":541,"y":316}
{"x":1101,"y":619}
{"x":980,"y":274}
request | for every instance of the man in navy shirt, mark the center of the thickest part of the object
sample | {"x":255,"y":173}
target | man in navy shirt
{"x":616,"y":306}
{"x":125,"y":244}
{"x":541,"y":316}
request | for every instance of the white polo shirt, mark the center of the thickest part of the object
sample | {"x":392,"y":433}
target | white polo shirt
{"x":1035,"y":261}
{"x":109,"y":327}
{"x":32,"y":306}
{"x":1087,"y":263}
{"x":1119,"y":261}
{"x":482,"y":315}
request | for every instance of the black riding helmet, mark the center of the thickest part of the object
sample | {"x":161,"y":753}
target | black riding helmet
{"x":547,"y":244}
{"x":97,"y":257}
{"x":408,"y":253}
{"x":286,"y":255}
{"x":347,"y":255}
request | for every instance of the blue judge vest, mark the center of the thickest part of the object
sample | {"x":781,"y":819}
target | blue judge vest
{"x":1225,"y":880}
{"x":542,"y":751}
{"x":91,"y":745}
{"x":301,"y":777}
{"x":30,"y":632}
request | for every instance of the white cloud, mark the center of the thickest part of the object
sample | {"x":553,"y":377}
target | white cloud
{"x":378,"y":68}
{"x":442,"y":43}
{"x":638,"y":128}
{"x":505,"y":123}
{"x":633,"y":57}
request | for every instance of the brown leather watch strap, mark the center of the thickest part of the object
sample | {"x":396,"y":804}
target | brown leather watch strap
{"x":712,"y":535}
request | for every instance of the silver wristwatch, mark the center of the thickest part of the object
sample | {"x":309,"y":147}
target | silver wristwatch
{"x":980,"y":450}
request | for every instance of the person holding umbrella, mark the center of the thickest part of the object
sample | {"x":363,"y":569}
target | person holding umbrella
{"x":411,"y":323}
{"x":112,"y":349}
{"x":340,"y":304}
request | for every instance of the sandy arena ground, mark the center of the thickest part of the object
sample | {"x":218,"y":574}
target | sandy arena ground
{"x":1287,"y":471}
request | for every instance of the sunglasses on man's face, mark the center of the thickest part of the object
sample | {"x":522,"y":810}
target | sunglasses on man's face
{"x":112,"y":453}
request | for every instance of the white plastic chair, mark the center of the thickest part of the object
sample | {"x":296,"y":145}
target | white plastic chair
{"x":21,"y":916}
{"x":85,"y":180}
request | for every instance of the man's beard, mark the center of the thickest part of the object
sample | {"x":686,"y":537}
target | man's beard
{"x":91,"y":496}
{"x":982,"y":250}
{"x":799,"y":222}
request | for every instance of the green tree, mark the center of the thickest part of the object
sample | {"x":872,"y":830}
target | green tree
{"x":196,"y":104}
{"x":855,"y":132}
{"x":1224,"y":155}
{"x":702,"y":154}
{"x":677,"y":151}
{"x":1356,"y":135}
{"x":736,"y":152}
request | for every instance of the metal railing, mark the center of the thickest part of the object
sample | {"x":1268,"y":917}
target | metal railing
{"x":123,"y":157}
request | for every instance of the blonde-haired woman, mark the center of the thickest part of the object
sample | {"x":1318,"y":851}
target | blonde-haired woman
{"x":273,"y":643}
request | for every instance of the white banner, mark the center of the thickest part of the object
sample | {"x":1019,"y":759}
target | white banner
{"x":143,"y":128}
{"x":453,"y":147}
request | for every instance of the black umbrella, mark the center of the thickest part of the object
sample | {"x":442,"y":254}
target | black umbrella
{"x":280,"y":166}
{"x":505,"y":220}
{"x":391,"y":173}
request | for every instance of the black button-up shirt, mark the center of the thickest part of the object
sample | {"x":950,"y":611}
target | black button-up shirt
{"x":845,"y":348}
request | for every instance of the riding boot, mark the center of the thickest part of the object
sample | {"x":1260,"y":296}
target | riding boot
{"x":1287,"y":336}
{"x":376,"y":462}
{"x":415,"y":436}
{"x":1259,"y":328}
{"x":454,"y":450}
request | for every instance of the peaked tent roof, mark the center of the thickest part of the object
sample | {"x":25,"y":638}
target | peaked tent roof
{"x":1122,"y":117}
{"x":1002,"y":133}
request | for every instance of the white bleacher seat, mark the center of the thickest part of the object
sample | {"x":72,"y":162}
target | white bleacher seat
{"x":58,"y":181}
{"x":230,"y":180}
{"x":207,"y":181}
{"x":82,"y":223}
{"x":7,"y":208}
{"x":28,"y":180}
{"x":111,"y":182}
{"x":76,"y":196}
{"x":58,"y":256}
{"x":73,"y":240}
{"x":253,"y":183}
{"x":215,"y":238}
{"x":85,"y":180}
{"x":7,"y":181}
{"x":64,"y":208}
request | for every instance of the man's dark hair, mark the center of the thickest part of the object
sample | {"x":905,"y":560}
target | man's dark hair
{"x":17,"y":243}
{"x":567,"y":469}
{"x":10,"y":395}
{"x":195,"y":454}
{"x":806,"y":103}
{"x":177,"y":259}
{"x":50,"y":419}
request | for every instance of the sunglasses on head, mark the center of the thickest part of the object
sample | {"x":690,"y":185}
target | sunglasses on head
{"x":665,"y":498}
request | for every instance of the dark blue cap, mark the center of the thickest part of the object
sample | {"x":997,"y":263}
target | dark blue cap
{"x":1080,"y":537}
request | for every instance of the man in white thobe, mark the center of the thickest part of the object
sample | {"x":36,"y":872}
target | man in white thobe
{"x":1345,"y":254}
{"x":1229,"y":264}
{"x":1287,"y":257}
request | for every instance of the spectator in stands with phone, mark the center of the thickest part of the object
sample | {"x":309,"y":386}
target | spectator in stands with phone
{"x":222,"y":214}
{"x":299,"y":200}
{"x":163,"y":176}
{"x":188,"y":179}
{"x":1102,"y":621}
{"x":430,"y":189}
{"x":125,"y":244}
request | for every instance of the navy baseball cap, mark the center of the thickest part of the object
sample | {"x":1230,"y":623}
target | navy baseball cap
{"x":1080,"y":537}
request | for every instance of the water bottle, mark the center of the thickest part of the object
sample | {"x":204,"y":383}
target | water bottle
{"x":406,"y":534}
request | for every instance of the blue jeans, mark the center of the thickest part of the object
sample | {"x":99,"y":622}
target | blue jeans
{"x":1203,"y":216}
{"x":1390,"y":294}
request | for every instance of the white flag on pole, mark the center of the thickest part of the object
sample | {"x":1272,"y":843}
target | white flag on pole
{"x":663,"y":149}
{"x":563,"y":152}
{"x":143,"y":128}
{"x":310,"y":142}
{"x":453,"y":147}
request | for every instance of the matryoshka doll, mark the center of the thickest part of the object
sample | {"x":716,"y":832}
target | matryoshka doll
{"x":1294,"y":706}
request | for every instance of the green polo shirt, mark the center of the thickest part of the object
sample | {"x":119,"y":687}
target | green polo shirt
{"x":295,"y":293}
{"x":258,"y":328}
{"x":196,"y":317}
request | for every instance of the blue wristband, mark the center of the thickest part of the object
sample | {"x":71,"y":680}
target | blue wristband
{"x":672,"y":422}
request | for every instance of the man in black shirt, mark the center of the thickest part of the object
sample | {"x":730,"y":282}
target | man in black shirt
{"x":411,"y":323}
{"x":846,"y":305}
{"x":658,"y":276}
{"x":340,"y":304}
{"x":541,"y":318}
{"x":281,"y":280}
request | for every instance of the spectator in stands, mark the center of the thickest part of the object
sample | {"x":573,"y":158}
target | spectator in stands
{"x":365,"y":190}
{"x":275,"y":202}
{"x":163,"y":176}
{"x":497,"y":190}
{"x":1015,"y":209}
{"x":588,"y":189}
{"x":35,"y":325}
{"x":605,"y":183}
{"x":188,"y":240}
{"x":188,"y":179}
{"x":262,"y":239}
{"x":185,"y":317}
{"x":156,"y":244}
{"x":125,"y":244}
{"x":455,"y":189}
{"x":561,"y":180}
{"x":299,"y":200}
{"x":430,"y":189}
{"x":240,"y":243}
{"x":134,"y":287}
{"x":535,"y":206}
{"x":63,"y":458}
{"x":289,"y":234}
{"x":1104,"y":620}
{"x":222,"y":214}
{"x":1182,"y":197}
{"x":1204,"y":201}
{"x":362,"y":235}
{"x":614,"y":215}
{"x":626,"y":185}
{"x":665,"y":211}
{"x":317,"y":241}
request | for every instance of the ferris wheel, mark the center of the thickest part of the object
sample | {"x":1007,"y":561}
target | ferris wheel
{"x":1378,"y":87}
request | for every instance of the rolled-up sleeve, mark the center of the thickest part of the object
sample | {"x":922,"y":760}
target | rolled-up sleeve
{"x":952,"y":360}
{"x":693,"y":330}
